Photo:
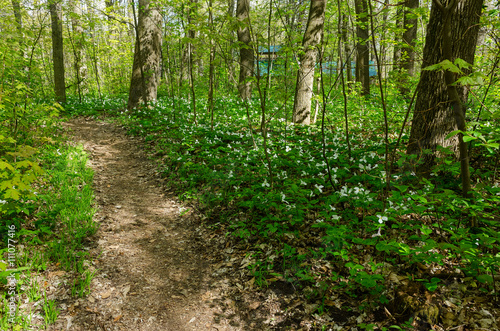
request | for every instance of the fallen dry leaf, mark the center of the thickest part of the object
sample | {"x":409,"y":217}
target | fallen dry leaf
{"x":254,"y":305}
{"x":56,"y":273}
{"x":106,"y":294}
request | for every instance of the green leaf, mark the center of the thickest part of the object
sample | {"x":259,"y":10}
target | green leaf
{"x":453,"y":133}
{"x":444,"y":65}
{"x":469,"y":138}
{"x":447,"y":65}
{"x":492,"y":145}
{"x":5,"y":273}
{"x":4,"y":165}
{"x":12,"y":194}
{"x":485,"y":279}
{"x":462,"y":64}
{"x":402,"y":188}
{"x":433,"y":67}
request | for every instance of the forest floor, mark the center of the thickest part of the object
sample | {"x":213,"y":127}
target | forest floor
{"x":157,"y":267}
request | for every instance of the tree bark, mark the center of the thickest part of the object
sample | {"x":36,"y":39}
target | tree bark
{"x":78,"y":36}
{"x":396,"y":55}
{"x":313,"y":36}
{"x":58,"y":51}
{"x":16,"y":5}
{"x":146,"y":69}
{"x":347,"y":48}
{"x":409,"y":37}
{"x":189,"y":49}
{"x":433,"y":118}
{"x":211,"y":70}
{"x":363,"y":52}
{"x":230,"y":47}
{"x":246,"y":50}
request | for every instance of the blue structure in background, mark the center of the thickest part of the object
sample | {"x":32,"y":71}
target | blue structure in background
{"x":266,"y":54}
{"x":271,"y":53}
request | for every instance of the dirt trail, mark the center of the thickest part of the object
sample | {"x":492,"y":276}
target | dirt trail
{"x":154,"y":272}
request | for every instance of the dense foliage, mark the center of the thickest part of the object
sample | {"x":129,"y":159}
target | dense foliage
{"x":334,"y":209}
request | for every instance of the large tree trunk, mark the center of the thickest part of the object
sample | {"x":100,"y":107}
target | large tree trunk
{"x":409,"y":37}
{"x":146,"y":69}
{"x":57,"y":51}
{"x":433,"y":117}
{"x":363,"y":52}
{"x":246,"y":50}
{"x":305,"y":75}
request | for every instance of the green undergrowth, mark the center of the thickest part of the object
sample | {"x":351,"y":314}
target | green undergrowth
{"x":92,"y":106}
{"x":46,"y":211}
{"x":320,"y":237}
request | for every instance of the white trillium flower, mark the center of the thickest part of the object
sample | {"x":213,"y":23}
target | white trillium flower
{"x":382,"y":219}
{"x":319,"y":187}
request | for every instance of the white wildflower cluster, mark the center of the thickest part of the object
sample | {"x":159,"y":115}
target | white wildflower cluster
{"x":357,"y":193}
{"x":334,"y":217}
{"x":283,"y":197}
{"x":399,"y":205}
{"x":283,"y":175}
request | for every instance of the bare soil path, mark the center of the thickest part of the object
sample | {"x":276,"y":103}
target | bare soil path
{"x":155,"y":270}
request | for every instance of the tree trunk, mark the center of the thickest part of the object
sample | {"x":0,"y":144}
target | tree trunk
{"x":147,"y":56}
{"x":396,"y":55}
{"x":433,"y":118}
{"x":16,"y":5}
{"x":246,"y":50}
{"x":57,"y":51}
{"x":347,"y":48}
{"x":78,"y":36}
{"x":363,"y":53}
{"x":409,"y":37}
{"x":211,"y":70}
{"x":305,"y":76}
{"x":230,"y":46}
{"x":189,"y":50}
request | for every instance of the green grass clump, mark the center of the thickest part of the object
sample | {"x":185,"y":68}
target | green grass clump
{"x":52,"y":218}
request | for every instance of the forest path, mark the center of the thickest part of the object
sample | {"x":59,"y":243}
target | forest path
{"x":155,"y":270}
